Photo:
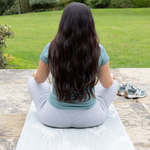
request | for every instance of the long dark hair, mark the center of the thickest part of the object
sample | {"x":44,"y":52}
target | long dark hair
{"x":74,"y":53}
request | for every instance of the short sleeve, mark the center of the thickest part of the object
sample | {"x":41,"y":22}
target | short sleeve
{"x":104,"y":58}
{"x":44,"y":54}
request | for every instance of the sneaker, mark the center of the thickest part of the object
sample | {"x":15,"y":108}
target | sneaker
{"x":134,"y":92}
{"x":122,"y":88}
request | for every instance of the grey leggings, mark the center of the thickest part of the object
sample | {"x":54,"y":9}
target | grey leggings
{"x":61,"y":118}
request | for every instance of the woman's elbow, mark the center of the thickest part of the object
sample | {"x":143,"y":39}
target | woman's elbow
{"x":38,"y":79}
{"x":108,"y":84}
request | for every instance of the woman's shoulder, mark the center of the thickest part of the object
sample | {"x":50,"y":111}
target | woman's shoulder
{"x":103,"y":51}
{"x":104,"y":58}
{"x":44,"y":54}
{"x":47,"y":46}
{"x":102,"y":48}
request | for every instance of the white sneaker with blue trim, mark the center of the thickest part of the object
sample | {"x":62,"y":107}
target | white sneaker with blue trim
{"x":134,"y":92}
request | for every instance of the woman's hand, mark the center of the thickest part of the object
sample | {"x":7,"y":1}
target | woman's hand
{"x":113,"y":77}
{"x":33,"y":74}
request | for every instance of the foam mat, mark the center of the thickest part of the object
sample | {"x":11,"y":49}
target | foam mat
{"x":111,"y":135}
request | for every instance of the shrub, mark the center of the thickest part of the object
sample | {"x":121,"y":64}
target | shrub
{"x":2,"y":8}
{"x":8,"y":57}
{"x":80,"y":1}
{"x":98,"y":3}
{"x":12,"y":10}
{"x":24,"y":7}
{"x":5,"y":5}
{"x":44,"y":7}
{"x":41,"y":2}
{"x":142,"y":3}
{"x":5,"y":33}
{"x":121,"y":4}
{"x":64,"y":3}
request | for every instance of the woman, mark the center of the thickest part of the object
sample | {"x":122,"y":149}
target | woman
{"x":77,"y":62}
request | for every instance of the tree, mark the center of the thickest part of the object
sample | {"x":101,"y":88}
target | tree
{"x":18,"y":1}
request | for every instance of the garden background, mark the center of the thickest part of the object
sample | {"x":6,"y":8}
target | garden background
{"x":123,"y":28}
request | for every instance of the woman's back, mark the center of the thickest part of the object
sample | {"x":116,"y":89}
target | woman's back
{"x":73,"y":104}
{"x":74,"y":54}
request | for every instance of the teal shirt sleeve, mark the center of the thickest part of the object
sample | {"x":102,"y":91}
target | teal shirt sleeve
{"x":44,"y":54}
{"x":104,"y":58}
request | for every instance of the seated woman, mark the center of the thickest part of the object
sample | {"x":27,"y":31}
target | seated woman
{"x":77,"y":62}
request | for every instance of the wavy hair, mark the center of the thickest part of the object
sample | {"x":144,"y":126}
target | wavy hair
{"x":74,"y":53}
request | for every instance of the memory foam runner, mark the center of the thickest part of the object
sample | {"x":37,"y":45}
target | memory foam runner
{"x":111,"y":135}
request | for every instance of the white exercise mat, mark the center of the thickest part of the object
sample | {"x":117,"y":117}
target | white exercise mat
{"x":111,"y":135}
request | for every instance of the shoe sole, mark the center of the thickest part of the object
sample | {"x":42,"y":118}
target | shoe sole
{"x":131,"y":96}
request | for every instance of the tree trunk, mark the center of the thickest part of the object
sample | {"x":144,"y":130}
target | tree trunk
{"x":18,"y":7}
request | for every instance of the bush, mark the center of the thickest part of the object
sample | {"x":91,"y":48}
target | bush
{"x":5,"y":33}
{"x":44,"y":7}
{"x":99,"y":3}
{"x":80,"y":1}
{"x":12,"y":10}
{"x":121,"y":4}
{"x":142,"y":3}
{"x":24,"y":7}
{"x":5,"y":5}
{"x":8,"y":57}
{"x":41,"y":2}
{"x":2,"y":8}
{"x":58,"y":5}
{"x":64,"y":3}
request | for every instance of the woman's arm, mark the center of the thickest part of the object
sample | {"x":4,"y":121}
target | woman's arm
{"x":104,"y":75}
{"x":42,"y":72}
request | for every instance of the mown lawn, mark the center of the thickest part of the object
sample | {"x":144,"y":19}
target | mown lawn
{"x":124,"y":33}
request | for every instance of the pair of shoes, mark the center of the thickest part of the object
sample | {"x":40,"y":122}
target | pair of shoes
{"x":132,"y":91}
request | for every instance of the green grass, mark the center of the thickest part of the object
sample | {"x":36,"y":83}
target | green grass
{"x":124,"y":33}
